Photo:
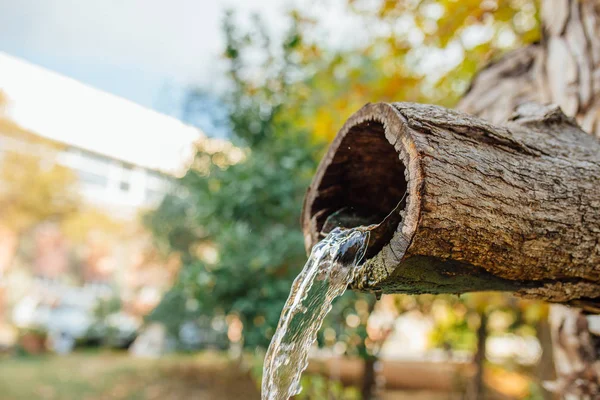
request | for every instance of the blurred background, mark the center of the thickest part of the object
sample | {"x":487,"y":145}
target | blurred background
{"x":153,"y":160}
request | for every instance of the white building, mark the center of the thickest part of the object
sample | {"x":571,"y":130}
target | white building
{"x":103,"y":181}
{"x":123,"y":153}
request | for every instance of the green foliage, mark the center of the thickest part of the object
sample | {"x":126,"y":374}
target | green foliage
{"x":248,"y":211}
{"x":456,"y":318}
{"x":320,"y":387}
{"x":172,"y":311}
{"x":106,"y":307}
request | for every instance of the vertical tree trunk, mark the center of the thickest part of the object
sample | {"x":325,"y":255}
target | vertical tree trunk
{"x":479,"y":359}
{"x":368,"y":382}
{"x":369,"y":373}
{"x":545,"y":368}
{"x":576,"y":352}
{"x":563,"y":69}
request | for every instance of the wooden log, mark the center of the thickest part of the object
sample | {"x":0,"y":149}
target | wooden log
{"x":563,"y":69}
{"x":511,"y":207}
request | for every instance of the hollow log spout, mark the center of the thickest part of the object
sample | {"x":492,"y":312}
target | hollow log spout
{"x":455,"y":204}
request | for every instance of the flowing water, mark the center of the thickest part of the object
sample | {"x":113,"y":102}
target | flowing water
{"x":331,"y":267}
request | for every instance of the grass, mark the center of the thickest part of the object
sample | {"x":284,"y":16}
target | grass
{"x":112,"y":375}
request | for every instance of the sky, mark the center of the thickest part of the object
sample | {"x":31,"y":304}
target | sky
{"x":89,"y":73}
{"x":137,"y":49}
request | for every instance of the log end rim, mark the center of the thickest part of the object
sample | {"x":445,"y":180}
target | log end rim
{"x":373,"y":161}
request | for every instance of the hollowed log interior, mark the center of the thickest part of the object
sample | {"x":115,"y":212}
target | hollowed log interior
{"x":364,"y":182}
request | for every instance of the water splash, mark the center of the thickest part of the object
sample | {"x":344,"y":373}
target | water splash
{"x":331,"y":267}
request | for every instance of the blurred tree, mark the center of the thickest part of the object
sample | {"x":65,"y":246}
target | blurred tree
{"x":49,"y":193}
{"x":51,"y":189}
{"x":29,"y":161}
{"x":423,"y":50}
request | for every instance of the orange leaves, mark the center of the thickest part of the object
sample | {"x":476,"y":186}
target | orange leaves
{"x":50,"y":190}
{"x":396,"y":64}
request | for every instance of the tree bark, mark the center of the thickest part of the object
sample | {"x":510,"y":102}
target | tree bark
{"x":564,"y":68}
{"x":501,"y":227}
{"x":577,"y":355}
{"x":545,"y":371}
{"x":488,"y":207}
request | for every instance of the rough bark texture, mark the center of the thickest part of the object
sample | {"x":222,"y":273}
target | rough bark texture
{"x":576,"y":353}
{"x":564,"y":68}
{"x":522,"y":190}
{"x":513,"y":207}
{"x":545,"y":370}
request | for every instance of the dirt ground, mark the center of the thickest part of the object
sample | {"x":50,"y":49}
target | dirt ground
{"x":109,"y":375}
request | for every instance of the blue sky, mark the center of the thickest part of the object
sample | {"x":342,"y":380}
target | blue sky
{"x":142,"y":50}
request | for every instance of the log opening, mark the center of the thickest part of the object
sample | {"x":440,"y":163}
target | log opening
{"x":364,"y":181}
{"x":368,"y":178}
{"x":512,"y":207}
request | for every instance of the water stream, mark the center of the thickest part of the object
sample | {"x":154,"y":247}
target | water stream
{"x":331,"y":267}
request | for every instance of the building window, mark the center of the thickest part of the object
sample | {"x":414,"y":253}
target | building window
{"x":92,"y":179}
{"x":125,"y":181}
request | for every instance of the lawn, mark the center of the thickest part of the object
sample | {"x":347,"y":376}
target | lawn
{"x":113,"y":375}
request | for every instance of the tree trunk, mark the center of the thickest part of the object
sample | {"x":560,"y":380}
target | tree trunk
{"x":478,"y":391}
{"x":369,"y":378}
{"x":488,"y":207}
{"x":368,"y":381}
{"x":563,"y":69}
{"x":545,"y":371}
{"x":577,"y":354}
